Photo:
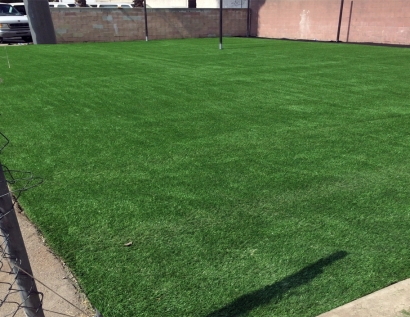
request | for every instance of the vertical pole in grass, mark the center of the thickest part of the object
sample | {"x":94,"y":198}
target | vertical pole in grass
{"x":146,"y":22}
{"x":220,"y":24}
{"x":350,"y":21}
{"x":16,"y":252}
{"x":340,"y":20}
{"x":40,"y":21}
{"x":248,"y":20}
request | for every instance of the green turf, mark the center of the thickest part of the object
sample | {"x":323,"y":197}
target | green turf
{"x":267,"y":179}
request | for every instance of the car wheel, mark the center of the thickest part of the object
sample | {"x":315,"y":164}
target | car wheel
{"x":1,"y":40}
{"x":27,"y":39}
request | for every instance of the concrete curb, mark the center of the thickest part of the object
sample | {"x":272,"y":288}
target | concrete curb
{"x":392,"y":301}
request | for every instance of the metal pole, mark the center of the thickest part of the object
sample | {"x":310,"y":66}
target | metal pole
{"x":340,"y":20}
{"x":248,"y":28}
{"x":146,"y":21}
{"x":350,"y":21}
{"x":41,"y":23}
{"x":220,"y":23}
{"x":16,"y":251}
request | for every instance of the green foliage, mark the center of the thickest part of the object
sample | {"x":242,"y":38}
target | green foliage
{"x":237,"y":174}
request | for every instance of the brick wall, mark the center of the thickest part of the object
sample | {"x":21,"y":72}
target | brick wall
{"x":106,"y":25}
{"x":377,"y":21}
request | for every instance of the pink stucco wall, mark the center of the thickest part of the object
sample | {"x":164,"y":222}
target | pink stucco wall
{"x":378,"y":21}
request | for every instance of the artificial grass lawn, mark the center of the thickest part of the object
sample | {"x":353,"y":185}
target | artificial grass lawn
{"x":267,"y":179}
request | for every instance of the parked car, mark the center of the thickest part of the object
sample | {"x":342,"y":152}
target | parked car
{"x":13,"y":24}
{"x":125,"y":5}
{"x":110,"y":5}
{"x":20,"y":7}
{"x":61,"y":5}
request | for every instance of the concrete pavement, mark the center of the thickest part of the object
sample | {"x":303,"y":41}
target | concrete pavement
{"x":392,"y":301}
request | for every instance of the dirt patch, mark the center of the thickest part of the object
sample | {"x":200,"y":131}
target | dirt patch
{"x":62,"y":296}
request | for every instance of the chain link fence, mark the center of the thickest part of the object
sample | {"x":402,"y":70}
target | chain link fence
{"x":19,"y":296}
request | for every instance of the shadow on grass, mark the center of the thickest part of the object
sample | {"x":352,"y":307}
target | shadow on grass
{"x":246,"y":303}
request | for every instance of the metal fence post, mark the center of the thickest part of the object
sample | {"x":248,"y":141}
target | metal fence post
{"x":16,"y":252}
{"x":220,"y":23}
{"x":340,"y":20}
{"x":248,"y":20}
{"x":146,"y":21}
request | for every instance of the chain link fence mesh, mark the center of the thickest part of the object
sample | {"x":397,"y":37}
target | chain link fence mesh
{"x":19,"y":296}
{"x":15,"y":299}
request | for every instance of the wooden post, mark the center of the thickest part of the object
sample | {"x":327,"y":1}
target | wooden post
{"x":16,"y":252}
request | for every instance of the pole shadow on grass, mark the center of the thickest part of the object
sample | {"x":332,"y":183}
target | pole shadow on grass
{"x":246,"y":303}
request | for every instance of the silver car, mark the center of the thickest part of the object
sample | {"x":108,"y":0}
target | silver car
{"x":13,"y":24}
